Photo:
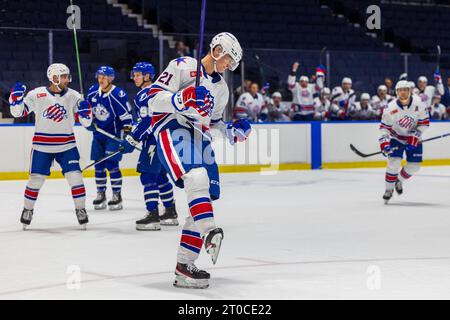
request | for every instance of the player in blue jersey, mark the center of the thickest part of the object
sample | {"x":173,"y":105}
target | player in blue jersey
{"x":112,"y":113}
{"x":153,"y":175}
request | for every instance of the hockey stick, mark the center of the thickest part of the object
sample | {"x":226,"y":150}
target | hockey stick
{"x":104,"y":159}
{"x":438,"y":62}
{"x":324,"y":49}
{"x":109,"y":135}
{"x":365,"y":155}
{"x":77,"y":50}
{"x":200,"y":48}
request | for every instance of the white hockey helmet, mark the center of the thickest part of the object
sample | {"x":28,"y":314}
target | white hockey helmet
{"x":346,"y":80}
{"x":58,"y":69}
{"x":304,"y":79}
{"x":276,"y":94}
{"x":422,"y":79}
{"x":403,"y":84}
{"x":230,"y":45}
{"x":382,"y":88}
{"x":325,"y":91}
{"x":365,"y":96}
{"x":412,"y":84}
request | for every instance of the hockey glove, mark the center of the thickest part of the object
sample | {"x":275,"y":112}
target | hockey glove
{"x":17,"y":94}
{"x":437,"y":77}
{"x":128,"y":144}
{"x":239,"y":130}
{"x":191,"y":97}
{"x":412,"y":142}
{"x":321,"y":71}
{"x":84,"y":109}
{"x":385,"y":146}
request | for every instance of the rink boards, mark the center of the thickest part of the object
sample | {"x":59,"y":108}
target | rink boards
{"x":271,"y":147}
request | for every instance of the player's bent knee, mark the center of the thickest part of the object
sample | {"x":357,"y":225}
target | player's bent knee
{"x":36,"y":181}
{"x":75,"y":178}
{"x":196,"y":182}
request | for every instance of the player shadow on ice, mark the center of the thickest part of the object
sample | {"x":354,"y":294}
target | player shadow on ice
{"x":416,"y":204}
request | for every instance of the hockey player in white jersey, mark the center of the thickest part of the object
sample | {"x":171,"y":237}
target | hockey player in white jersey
{"x":401,"y":129}
{"x":182,"y":117}
{"x":426,"y":92}
{"x":341,"y":99}
{"x":250,"y":104}
{"x":437,"y":110}
{"x":362,"y":110}
{"x":381,"y":100}
{"x":322,"y":105}
{"x":303,"y":93}
{"x":56,"y":108}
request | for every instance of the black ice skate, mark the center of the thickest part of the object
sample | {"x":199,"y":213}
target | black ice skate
{"x":100,"y":202}
{"x":25,"y":219}
{"x":82,"y":217}
{"x":399,"y":187}
{"x":213,"y":241}
{"x":189,"y":276}
{"x":151,"y":222}
{"x":387,"y":196}
{"x":169,"y":218}
{"x":116,"y":202}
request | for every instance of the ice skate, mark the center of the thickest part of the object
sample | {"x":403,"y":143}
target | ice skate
{"x":169,"y":218}
{"x":213,"y":241}
{"x":399,"y":187}
{"x":387,"y":196}
{"x":82,"y":217}
{"x":189,"y":276}
{"x":25,"y":219}
{"x":151,"y":222}
{"x":100,"y":202}
{"x":116,"y":202}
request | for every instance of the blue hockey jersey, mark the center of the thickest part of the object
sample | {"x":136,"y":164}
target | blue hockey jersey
{"x":111,"y":110}
{"x":141,"y":130}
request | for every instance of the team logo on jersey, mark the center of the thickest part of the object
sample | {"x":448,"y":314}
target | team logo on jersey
{"x":194,"y":74}
{"x":207,"y":109}
{"x":121,"y":94}
{"x":180,"y":60}
{"x":305,"y":93}
{"x":424,"y":97}
{"x":143,"y":112}
{"x":41,"y":95}
{"x":406,"y":122}
{"x":56,"y":113}
{"x":143,"y":97}
{"x":100,"y":112}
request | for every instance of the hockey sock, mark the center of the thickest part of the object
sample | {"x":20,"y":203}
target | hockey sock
{"x":115,"y":176}
{"x":165,"y":190}
{"x":392,"y":172}
{"x":151,"y":191}
{"x":408,"y":170}
{"x":100,"y":177}
{"x":190,"y":243}
{"x":75,"y":180}
{"x":34,"y":184}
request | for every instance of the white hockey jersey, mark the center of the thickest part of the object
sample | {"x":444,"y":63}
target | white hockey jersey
{"x":249,"y":106}
{"x":378,"y":104}
{"x":438,"y":111}
{"x":321,"y":108}
{"x":303,"y":98}
{"x":399,"y":122}
{"x":180,"y":74}
{"x":428,"y":93}
{"x":55,"y":118}
{"x":357,"y":112}
{"x":342,"y":100}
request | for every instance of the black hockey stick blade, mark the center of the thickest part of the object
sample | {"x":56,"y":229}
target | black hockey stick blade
{"x":363,"y":155}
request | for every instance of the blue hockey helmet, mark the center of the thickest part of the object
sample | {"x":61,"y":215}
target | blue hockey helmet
{"x":105,"y":71}
{"x":144,"y":68}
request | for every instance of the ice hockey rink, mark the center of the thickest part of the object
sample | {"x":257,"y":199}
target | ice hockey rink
{"x":292,"y":235}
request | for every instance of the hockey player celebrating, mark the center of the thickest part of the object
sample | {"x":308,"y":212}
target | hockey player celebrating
{"x":56,"y":108}
{"x":304,"y":92}
{"x":182,"y":117}
{"x":112,"y":113}
{"x":426,"y":92}
{"x":402,"y":126}
{"x":153,"y":175}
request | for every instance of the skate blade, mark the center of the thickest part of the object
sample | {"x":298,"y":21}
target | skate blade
{"x":169,"y":222}
{"x":148,"y":227}
{"x":100,"y":206}
{"x":115,"y":207}
{"x":214,"y":248}
{"x":188,"y":283}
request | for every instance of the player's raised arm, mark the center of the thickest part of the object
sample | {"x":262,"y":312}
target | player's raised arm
{"x":292,"y":78}
{"x":20,"y":105}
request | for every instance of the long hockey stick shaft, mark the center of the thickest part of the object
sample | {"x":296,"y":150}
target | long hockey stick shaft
{"x":200,"y":47}
{"x":77,"y":53}
{"x":103,"y":159}
{"x":111,"y":136}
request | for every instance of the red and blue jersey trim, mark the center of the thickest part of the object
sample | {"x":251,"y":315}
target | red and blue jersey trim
{"x":47,"y":139}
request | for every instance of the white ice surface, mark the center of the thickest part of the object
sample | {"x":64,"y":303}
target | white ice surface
{"x":293,"y":235}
